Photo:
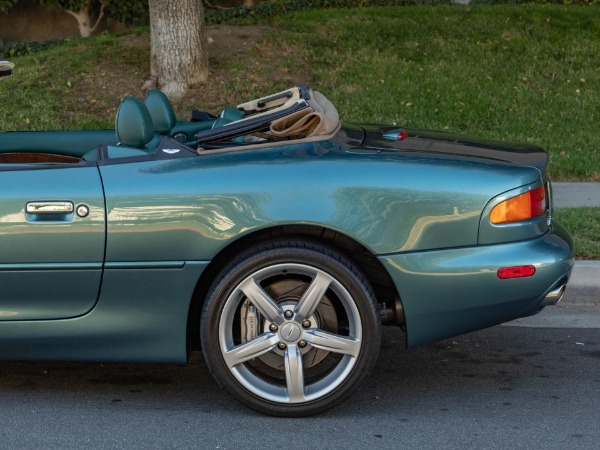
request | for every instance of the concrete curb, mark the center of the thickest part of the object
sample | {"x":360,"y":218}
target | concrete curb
{"x":584,"y":285}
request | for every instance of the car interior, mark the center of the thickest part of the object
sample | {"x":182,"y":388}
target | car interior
{"x":150,"y":129}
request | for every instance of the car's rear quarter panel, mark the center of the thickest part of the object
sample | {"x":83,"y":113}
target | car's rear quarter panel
{"x":389,"y":204}
{"x":397,"y":207}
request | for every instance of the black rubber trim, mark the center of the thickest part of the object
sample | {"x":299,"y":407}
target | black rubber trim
{"x":304,"y":91}
{"x":102,"y":152}
{"x":263,"y":101}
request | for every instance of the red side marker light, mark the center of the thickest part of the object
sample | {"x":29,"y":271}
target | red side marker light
{"x":516,"y":272}
{"x":396,"y":135}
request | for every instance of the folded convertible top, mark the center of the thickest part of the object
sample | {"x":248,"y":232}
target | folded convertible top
{"x":296,"y":113}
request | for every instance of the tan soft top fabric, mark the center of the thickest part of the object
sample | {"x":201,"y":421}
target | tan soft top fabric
{"x":319,"y":119}
{"x":284,"y":101}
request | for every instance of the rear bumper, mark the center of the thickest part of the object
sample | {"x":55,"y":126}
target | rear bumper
{"x":449,"y":292}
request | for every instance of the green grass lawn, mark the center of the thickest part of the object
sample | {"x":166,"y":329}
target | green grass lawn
{"x":71,"y":86}
{"x":512,"y":72}
{"x":584,"y":226}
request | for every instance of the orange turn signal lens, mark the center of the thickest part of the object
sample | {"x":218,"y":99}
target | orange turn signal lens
{"x":522,"y":207}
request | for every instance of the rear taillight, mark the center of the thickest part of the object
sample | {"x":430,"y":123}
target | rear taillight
{"x":522,"y":207}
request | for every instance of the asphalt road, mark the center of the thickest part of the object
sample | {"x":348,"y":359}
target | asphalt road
{"x":506,"y":387}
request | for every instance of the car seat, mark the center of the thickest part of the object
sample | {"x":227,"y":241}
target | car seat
{"x":134,"y":129}
{"x":232,"y":114}
{"x":166,"y":123}
{"x":162,"y":113}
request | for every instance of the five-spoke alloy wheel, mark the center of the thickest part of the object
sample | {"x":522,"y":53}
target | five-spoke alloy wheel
{"x":291,"y":329}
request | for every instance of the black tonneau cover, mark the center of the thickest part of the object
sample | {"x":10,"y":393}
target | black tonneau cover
{"x":453,"y":145}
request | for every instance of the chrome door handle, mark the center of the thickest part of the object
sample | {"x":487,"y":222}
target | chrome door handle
{"x":49,"y":207}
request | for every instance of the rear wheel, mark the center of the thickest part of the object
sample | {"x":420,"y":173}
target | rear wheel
{"x":291,"y":329}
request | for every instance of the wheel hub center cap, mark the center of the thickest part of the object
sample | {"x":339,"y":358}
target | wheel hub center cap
{"x":290,"y":332}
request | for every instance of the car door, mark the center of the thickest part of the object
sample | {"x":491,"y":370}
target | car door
{"x":52,"y":234}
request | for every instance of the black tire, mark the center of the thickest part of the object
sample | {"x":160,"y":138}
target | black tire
{"x":332,"y":338}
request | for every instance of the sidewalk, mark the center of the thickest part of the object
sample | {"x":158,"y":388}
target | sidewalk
{"x":574,"y":195}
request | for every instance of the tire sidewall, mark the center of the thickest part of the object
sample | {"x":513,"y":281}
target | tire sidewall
{"x":312,"y":255}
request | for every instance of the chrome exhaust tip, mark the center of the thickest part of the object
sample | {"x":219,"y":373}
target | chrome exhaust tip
{"x":553,"y":297}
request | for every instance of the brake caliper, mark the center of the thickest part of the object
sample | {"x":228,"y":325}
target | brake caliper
{"x":249,"y":322}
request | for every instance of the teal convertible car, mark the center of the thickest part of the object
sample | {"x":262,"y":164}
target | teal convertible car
{"x":275,"y":237}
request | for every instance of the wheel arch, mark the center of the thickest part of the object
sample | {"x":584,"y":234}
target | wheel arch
{"x":384,"y":288}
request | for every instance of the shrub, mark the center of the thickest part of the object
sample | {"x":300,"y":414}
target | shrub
{"x":18,"y":48}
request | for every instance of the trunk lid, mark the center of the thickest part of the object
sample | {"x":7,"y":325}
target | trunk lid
{"x":384,"y":138}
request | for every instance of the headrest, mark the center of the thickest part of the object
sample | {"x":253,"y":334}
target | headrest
{"x":220,"y":122}
{"x":161,"y":111}
{"x":134,"y":124}
{"x":232,"y":114}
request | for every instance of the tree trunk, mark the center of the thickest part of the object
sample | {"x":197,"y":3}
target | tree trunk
{"x":178,"y":54}
{"x":84,"y":19}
